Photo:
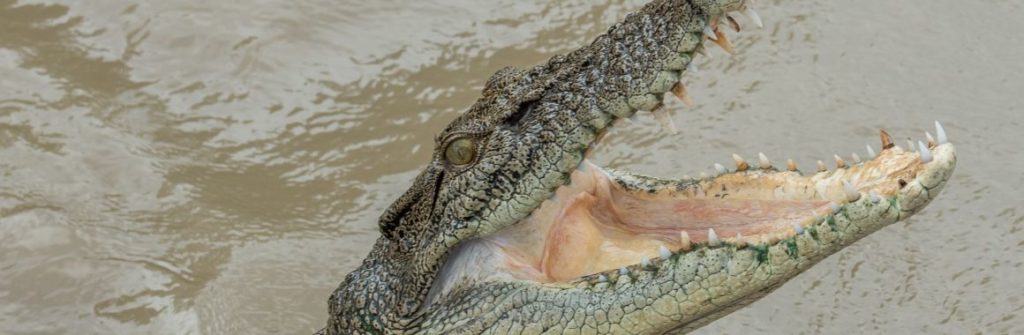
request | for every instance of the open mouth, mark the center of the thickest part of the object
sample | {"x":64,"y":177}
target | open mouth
{"x":607,"y":221}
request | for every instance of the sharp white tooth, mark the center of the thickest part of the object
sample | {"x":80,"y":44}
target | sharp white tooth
{"x":601,"y":279}
{"x":910,"y":145}
{"x":712,"y":237}
{"x":940,"y":133}
{"x":687,"y":178}
{"x":684,"y":240}
{"x":799,"y":229}
{"x":721,"y":169}
{"x":741,"y":164}
{"x":623,"y":271}
{"x":663,"y":252}
{"x":840,"y":163}
{"x":645,"y":263}
{"x":703,"y":175}
{"x":763,"y":161}
{"x":851,"y":192}
{"x":692,"y":68}
{"x":703,"y":52}
{"x":752,"y":15}
{"x":835,"y":207}
{"x":856,"y":159}
{"x":871,"y":152}
{"x":791,"y":165}
{"x":665,"y":121}
{"x":732,"y":23}
{"x":710,"y":33}
{"x":821,"y":166}
{"x":739,"y":238}
{"x":931,"y":140}
{"x":874,"y":197}
{"x":926,"y":155}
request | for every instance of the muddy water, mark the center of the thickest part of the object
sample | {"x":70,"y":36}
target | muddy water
{"x":197,"y":167}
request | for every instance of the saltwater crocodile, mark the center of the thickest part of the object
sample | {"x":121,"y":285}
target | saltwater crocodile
{"x":509,"y":229}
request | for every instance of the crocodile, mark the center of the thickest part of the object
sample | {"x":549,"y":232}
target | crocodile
{"x":510,"y":229}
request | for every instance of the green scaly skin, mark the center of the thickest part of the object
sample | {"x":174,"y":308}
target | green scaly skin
{"x":531,"y":129}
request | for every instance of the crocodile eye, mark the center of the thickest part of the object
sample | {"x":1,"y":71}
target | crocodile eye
{"x":461,"y":151}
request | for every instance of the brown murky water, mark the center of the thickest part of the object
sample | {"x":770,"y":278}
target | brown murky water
{"x":198,"y":167}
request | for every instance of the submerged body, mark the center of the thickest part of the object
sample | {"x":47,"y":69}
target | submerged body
{"x":510,"y":230}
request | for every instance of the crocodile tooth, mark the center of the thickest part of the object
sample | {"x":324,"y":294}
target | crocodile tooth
{"x":601,"y":279}
{"x":721,"y":169}
{"x":851,"y":192}
{"x":663,"y":252}
{"x":692,"y":68}
{"x":680,"y":92}
{"x":931,"y":140}
{"x":856,"y":158}
{"x":684,"y":240}
{"x":723,"y":41}
{"x":712,"y":237}
{"x":835,"y":207}
{"x":886,"y":140}
{"x":739,"y":239}
{"x":840,"y":163}
{"x":874,"y":197}
{"x":645,"y":262}
{"x":752,"y":16}
{"x":791,"y":165}
{"x":700,"y":50}
{"x":741,"y":164}
{"x":763,"y":161}
{"x":710,"y":33}
{"x":926,"y":155}
{"x":821,"y":167}
{"x":665,"y":121}
{"x":732,"y":23}
{"x":687,"y":177}
{"x":910,"y":145}
{"x":871,"y":152}
{"x":623,"y":271}
{"x":940,"y":133}
{"x":798,"y":228}
{"x":703,"y":175}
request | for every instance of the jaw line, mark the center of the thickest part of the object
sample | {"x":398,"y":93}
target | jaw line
{"x":497,"y":257}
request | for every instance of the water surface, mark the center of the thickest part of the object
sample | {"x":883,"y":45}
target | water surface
{"x":198,"y":167}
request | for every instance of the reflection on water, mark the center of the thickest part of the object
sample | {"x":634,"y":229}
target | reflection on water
{"x":217,"y":167}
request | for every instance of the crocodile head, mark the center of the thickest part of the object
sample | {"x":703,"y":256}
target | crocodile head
{"x":510,"y":229}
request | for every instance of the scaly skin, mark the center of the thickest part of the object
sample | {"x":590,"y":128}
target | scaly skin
{"x":529,"y":131}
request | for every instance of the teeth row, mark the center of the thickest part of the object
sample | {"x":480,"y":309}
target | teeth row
{"x":716,"y":35}
{"x":926,"y":156}
{"x":739,"y":240}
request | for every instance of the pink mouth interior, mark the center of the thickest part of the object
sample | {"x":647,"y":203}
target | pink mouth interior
{"x":599,"y":232}
{"x":594,"y":224}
